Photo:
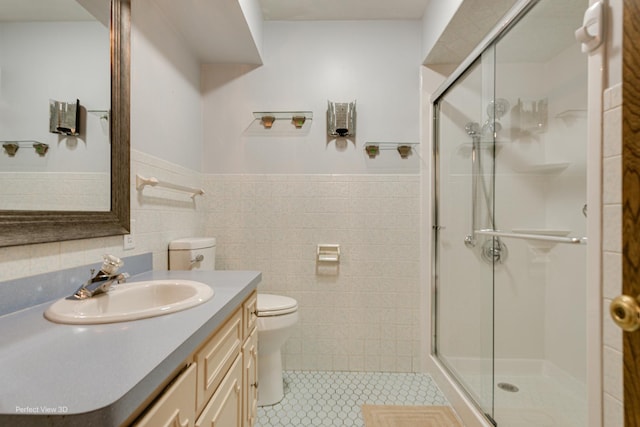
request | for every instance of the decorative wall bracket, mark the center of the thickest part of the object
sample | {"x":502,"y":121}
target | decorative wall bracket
{"x":404,"y":148}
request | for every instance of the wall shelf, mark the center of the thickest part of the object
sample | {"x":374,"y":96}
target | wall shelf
{"x":403,"y":148}
{"x":280,"y":123}
{"x":11,"y":147}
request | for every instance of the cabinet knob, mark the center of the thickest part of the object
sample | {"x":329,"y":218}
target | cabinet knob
{"x":255,"y":384}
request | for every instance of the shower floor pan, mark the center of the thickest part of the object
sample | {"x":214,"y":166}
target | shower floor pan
{"x":546,"y":396}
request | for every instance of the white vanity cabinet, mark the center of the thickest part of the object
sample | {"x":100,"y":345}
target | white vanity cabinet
{"x":219,"y":386}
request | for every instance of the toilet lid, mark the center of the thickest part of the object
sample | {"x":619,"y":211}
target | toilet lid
{"x":275,"y":305}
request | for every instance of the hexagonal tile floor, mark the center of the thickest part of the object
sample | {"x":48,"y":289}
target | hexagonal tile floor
{"x":335,"y":398}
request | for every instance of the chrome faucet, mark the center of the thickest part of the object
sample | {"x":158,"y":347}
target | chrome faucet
{"x":102,"y":281}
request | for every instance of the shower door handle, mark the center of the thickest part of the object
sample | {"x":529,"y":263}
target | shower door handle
{"x":625,"y":312}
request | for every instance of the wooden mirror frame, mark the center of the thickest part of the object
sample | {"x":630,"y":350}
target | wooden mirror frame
{"x":28,"y":227}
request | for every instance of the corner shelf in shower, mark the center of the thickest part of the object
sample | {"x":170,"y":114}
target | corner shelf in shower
{"x":543,"y":168}
{"x":572,"y":114}
{"x":280,"y":123}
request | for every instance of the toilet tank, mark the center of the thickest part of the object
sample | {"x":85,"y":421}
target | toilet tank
{"x":193,"y":253}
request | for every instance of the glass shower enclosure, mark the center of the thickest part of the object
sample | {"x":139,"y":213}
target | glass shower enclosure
{"x":510,"y":219}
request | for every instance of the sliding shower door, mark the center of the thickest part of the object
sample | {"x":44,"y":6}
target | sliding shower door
{"x":510,"y":220}
{"x":464,"y":298}
{"x":541,"y":183}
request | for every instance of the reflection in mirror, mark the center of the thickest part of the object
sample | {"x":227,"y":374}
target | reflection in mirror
{"x":64,"y":121}
{"x":56,"y":156}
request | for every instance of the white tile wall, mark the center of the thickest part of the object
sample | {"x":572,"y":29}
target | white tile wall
{"x":612,"y":254}
{"x":160,"y":215}
{"x":360,"y":317}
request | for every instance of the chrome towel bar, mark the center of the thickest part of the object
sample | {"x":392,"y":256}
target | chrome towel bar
{"x":542,"y":237}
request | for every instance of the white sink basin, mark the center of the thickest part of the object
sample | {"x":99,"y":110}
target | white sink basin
{"x":131,"y":301}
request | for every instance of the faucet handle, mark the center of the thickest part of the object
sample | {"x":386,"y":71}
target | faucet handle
{"x":111,"y":264}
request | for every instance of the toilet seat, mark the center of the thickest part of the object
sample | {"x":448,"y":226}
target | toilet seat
{"x":275,"y":305}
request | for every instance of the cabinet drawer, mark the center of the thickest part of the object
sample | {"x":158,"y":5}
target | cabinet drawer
{"x":216,"y":356}
{"x":175,"y":406}
{"x":250,"y":314}
{"x":225,"y":407}
{"x":250,"y":380}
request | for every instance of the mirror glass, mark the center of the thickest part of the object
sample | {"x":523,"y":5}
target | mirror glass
{"x":65,"y":160}
{"x":55,"y":103}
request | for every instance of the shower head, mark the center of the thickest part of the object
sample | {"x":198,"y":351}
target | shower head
{"x":498,"y":108}
{"x":472,"y":128}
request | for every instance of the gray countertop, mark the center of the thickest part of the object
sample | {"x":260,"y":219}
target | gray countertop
{"x":99,"y":375}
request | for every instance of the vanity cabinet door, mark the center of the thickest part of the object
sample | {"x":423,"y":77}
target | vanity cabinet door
{"x":176,"y":406}
{"x":250,"y":379}
{"x":250,"y":314}
{"x":216,"y":356}
{"x":225,"y":407}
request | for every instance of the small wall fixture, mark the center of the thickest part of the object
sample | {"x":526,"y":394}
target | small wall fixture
{"x":298,"y":121}
{"x":328,"y":253}
{"x":404,"y":151}
{"x":41,"y":148}
{"x":64,"y":117}
{"x":372,"y":150}
{"x":11,"y":148}
{"x":341,"y":119}
{"x":267,"y":121}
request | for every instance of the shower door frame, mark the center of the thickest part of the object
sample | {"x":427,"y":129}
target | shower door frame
{"x":470,"y":410}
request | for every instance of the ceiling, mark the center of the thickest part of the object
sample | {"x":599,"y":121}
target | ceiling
{"x":331,"y":10}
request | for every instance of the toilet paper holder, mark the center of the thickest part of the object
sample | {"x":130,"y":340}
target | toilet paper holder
{"x":328,"y":253}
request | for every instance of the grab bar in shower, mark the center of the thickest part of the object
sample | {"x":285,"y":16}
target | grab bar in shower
{"x":542,"y":237}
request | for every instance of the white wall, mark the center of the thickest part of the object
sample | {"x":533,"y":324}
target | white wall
{"x":305,"y":64}
{"x":166,"y":114}
{"x":66,"y":61}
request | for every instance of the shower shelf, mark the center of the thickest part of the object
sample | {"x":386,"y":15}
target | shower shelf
{"x":572,"y":114}
{"x":543,"y":168}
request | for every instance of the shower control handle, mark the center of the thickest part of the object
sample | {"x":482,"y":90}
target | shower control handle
{"x":625,"y":312}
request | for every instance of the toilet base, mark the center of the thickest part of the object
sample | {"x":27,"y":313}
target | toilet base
{"x":270,"y":381}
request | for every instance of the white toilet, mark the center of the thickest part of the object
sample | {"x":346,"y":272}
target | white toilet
{"x":276,"y":315}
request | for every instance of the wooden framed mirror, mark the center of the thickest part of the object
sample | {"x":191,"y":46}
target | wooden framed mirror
{"x":20,"y":227}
